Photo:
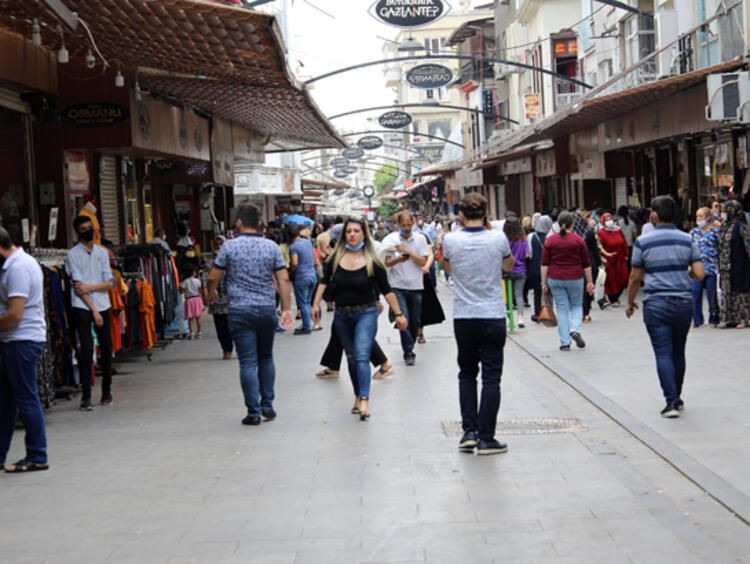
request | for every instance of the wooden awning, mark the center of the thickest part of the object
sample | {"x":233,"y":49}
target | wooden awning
{"x":227,"y":61}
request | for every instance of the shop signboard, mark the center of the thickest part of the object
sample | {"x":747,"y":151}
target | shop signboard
{"x":370,"y":142}
{"x":341,"y":173}
{"x":77,"y":172}
{"x":409,"y":13}
{"x":429,"y":76}
{"x":100,"y":114}
{"x":395,"y":119}
{"x":352,"y":153}
{"x":531,"y":105}
{"x":349,"y":169}
{"x":432,"y":152}
{"x":339,"y":162}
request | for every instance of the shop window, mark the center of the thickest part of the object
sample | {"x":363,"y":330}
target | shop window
{"x":13,"y":173}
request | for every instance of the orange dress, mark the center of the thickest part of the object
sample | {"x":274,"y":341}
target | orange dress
{"x":147,"y":310}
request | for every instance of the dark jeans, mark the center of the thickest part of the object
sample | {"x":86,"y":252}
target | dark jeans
{"x":588,"y":299}
{"x":303,"y":295}
{"x":83,"y":321}
{"x":709,"y":285}
{"x":480,"y":341}
{"x":253,"y":329}
{"x":332,"y":355}
{"x":19,"y":396}
{"x":410,"y":302}
{"x":357,"y":333}
{"x":667,"y":321}
{"x":221,"y":322}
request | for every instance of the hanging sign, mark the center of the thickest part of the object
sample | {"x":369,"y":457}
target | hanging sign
{"x":429,"y":76}
{"x":394,"y":120}
{"x":339,"y":162}
{"x":95,"y":115}
{"x":352,"y":153}
{"x":531,"y":105}
{"x":348,"y":169}
{"x":409,"y":13}
{"x":340,"y":173}
{"x":370,"y":142}
{"x":368,"y":191}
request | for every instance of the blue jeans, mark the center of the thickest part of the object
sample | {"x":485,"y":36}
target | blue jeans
{"x":19,"y":396}
{"x":303,"y":294}
{"x":410,"y":302}
{"x":357,"y":331}
{"x":667,"y":321}
{"x":568,"y":296}
{"x":253,"y":329}
{"x":709,"y":284}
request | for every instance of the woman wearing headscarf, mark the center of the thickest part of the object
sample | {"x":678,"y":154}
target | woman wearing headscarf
{"x":615,"y":249}
{"x":734,"y":266}
{"x":592,"y":244}
{"x":536,"y":240}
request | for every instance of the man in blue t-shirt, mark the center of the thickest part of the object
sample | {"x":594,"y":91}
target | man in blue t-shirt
{"x":478,"y":320}
{"x":668,"y":259}
{"x":302,"y":257}
{"x":252,"y":264}
{"x":23,"y":335}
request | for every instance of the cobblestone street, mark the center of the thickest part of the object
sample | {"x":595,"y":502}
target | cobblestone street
{"x":168,"y":474}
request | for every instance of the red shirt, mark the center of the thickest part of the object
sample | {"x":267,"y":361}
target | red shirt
{"x":566,"y":256}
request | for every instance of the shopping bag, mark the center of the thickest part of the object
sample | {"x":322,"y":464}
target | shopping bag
{"x":547,"y":314}
{"x":601,"y":280}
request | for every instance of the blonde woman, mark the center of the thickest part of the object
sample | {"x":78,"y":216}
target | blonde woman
{"x":356,"y":278}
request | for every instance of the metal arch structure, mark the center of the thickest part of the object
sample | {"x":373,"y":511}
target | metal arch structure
{"x":409,"y":149}
{"x":360,"y":161}
{"x":404,"y":132}
{"x":414,"y":105}
{"x":488,"y":60}
{"x":319,"y":170}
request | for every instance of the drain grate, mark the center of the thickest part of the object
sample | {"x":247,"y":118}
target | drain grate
{"x":533,"y":426}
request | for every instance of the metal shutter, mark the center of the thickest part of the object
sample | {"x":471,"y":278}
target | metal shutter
{"x":12,"y":101}
{"x":109,"y":199}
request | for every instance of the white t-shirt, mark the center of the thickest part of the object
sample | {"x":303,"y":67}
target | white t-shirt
{"x":406,"y":275}
{"x":192,"y":287}
{"x":476,"y":256}
{"x":21,"y":277}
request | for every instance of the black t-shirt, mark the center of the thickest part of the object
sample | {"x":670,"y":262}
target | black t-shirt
{"x":353,"y":287}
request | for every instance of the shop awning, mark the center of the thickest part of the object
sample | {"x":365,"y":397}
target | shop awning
{"x":226,"y":61}
{"x":467,"y":30}
{"x":323,"y":185}
{"x":440,"y":168}
{"x":589,"y":111}
{"x":517,"y":153}
{"x":425,"y":182}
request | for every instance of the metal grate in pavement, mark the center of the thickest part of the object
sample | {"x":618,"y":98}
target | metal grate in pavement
{"x":532,"y":426}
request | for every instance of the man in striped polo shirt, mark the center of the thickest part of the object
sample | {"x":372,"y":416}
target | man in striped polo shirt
{"x":668,"y":258}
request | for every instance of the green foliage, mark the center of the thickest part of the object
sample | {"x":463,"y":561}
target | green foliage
{"x":384,"y":179}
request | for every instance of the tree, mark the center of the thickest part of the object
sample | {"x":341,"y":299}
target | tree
{"x":385,"y":178}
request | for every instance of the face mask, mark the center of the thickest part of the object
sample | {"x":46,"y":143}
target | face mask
{"x":702,"y":223}
{"x":87,"y":236}
{"x":723,"y":216}
{"x":405,"y":233}
{"x":355,"y":248}
{"x":609,"y":224}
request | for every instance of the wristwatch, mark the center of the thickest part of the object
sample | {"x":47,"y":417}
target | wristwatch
{"x":399,"y":314}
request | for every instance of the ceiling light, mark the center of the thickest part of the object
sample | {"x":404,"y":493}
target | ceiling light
{"x":36,"y":33}
{"x":410,"y":46}
{"x":138,"y":95}
{"x":63,"y":56}
{"x":90,"y":60}
{"x":119,"y":80}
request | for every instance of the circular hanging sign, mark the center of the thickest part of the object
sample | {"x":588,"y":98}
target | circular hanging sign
{"x":394,"y":120}
{"x":352,"y":153}
{"x":429,"y":76}
{"x":341,"y":173}
{"x":409,"y":13}
{"x":370,"y":142}
{"x":368,"y":191}
{"x":339,"y":162}
{"x":348,"y":170}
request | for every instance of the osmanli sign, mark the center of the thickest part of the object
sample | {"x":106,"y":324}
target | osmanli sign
{"x":394,"y":120}
{"x":429,"y":76}
{"x":409,"y":13}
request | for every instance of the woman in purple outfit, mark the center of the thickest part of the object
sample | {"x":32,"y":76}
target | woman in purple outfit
{"x":519,"y":247}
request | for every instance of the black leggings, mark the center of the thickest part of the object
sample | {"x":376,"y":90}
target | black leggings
{"x":334,"y":351}
{"x":221,"y":321}
{"x":83,"y":320}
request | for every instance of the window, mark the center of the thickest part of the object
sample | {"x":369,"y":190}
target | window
{"x":430,"y":94}
{"x":432,"y":46}
{"x":440,"y":127}
{"x":640,"y":40}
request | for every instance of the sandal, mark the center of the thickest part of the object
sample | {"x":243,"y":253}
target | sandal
{"x":327,"y":374}
{"x":25,"y":466}
{"x":355,"y":409}
{"x":381,"y":373}
{"x":421,"y":340}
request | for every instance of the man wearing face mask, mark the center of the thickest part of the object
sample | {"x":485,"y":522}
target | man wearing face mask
{"x":88,"y":267}
{"x":406,"y":254}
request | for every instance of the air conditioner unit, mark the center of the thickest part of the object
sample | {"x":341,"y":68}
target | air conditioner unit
{"x":728,"y":97}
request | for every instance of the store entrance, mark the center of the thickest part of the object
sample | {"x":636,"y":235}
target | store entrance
{"x":14,"y":174}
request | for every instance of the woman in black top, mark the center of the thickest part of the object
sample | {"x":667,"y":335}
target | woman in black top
{"x":357,"y":277}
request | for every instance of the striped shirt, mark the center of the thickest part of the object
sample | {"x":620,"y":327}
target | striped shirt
{"x":665,"y":255}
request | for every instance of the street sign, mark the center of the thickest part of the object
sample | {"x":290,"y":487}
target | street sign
{"x":368,"y":191}
{"x":409,"y":13}
{"x":370,"y":142}
{"x":429,"y":76}
{"x":339,"y":162}
{"x":352,"y":153}
{"x":394,"y":119}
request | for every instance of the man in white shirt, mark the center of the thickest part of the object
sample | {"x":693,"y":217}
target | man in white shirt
{"x":88,"y":266}
{"x":406,"y":254}
{"x":23,"y":335}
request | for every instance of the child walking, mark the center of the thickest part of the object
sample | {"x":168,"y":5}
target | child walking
{"x":191,"y":287}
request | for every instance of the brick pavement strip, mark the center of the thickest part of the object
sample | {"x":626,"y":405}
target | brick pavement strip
{"x":168,"y":474}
